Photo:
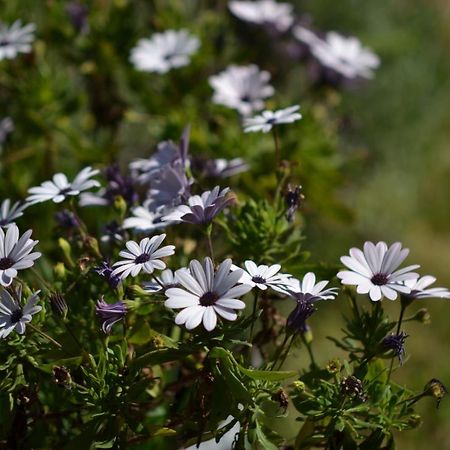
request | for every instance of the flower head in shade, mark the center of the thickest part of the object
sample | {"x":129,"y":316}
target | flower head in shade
{"x":243,"y":88}
{"x":296,"y":320}
{"x":264,"y":12}
{"x":268,"y":119}
{"x":262,"y":276}
{"x":15,"y":39}
{"x":420,"y":288}
{"x":66,"y":219}
{"x":12,"y":315}
{"x":374,"y":272}
{"x":60,"y":188}
{"x":164,"y":51}
{"x":144,"y":220}
{"x":201,"y":209}
{"x":15,"y":253}
{"x":396,"y":343}
{"x":105,"y":271}
{"x":10,"y":212}
{"x":143,"y":256}
{"x":110,"y":313}
{"x":344,"y":55}
{"x":206,"y":294}
{"x":167,"y":279}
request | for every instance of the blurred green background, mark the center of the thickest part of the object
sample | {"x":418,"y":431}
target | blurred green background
{"x":374,"y":160}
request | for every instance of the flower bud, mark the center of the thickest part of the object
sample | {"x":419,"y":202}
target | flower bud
{"x":422,"y":316}
{"x":134,"y":291}
{"x":60,"y":271}
{"x":67,"y":251}
{"x":414,"y":420}
{"x":334,"y":366}
{"x":353,"y":387}
{"x":435,"y":388}
{"x":58,"y":304}
{"x":298,"y":387}
{"x":120,"y":205}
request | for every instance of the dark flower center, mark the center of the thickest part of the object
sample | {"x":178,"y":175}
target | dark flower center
{"x":3,"y":222}
{"x":208,"y":299}
{"x":245,"y":99}
{"x":4,"y":43}
{"x":379,"y":279}
{"x":258,"y":279}
{"x":16,"y":315}
{"x":6,"y":263}
{"x":141,"y":259}
{"x":271,"y":121}
{"x":65,"y":190}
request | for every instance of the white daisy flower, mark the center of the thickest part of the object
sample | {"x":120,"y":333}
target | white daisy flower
{"x":243,"y":88}
{"x":13,"y":316}
{"x":374,"y":272}
{"x":201,"y":209}
{"x":345,"y":55}
{"x":307,"y":289}
{"x":60,"y":188}
{"x":15,"y":39}
{"x":420,"y":288}
{"x":143,"y":256}
{"x":280,"y":15}
{"x":15,"y":253}
{"x":9,"y":213}
{"x":262,"y":276}
{"x":267,"y":119}
{"x":164,"y":51}
{"x":206,"y":294}
{"x":144,"y":220}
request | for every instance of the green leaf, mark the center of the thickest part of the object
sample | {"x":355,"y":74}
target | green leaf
{"x":263,"y":440}
{"x":268,"y":375}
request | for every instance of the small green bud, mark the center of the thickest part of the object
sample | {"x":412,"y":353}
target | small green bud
{"x":120,"y":205}
{"x":414,"y":420}
{"x":67,"y":251}
{"x":135,"y":290}
{"x":435,"y":388}
{"x":298,"y":387}
{"x":308,"y":335}
{"x":334,"y":366}
{"x":92,"y":244}
{"x":60,"y":271}
{"x":422,"y":316}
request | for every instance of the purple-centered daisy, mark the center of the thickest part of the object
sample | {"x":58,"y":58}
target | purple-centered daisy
{"x":15,"y":253}
{"x":143,"y":256}
{"x":374,"y":272}
{"x":206,"y":294}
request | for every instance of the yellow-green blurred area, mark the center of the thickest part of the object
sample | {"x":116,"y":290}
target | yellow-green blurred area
{"x":374,"y":159}
{"x":401,"y":120}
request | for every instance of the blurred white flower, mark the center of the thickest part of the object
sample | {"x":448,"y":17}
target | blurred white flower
{"x":243,"y":88}
{"x":143,"y":256}
{"x":167,"y":279}
{"x":164,"y":51}
{"x":13,"y":316}
{"x":345,"y":55}
{"x":6,"y":128}
{"x":15,"y":253}
{"x":224,"y":168}
{"x":59,"y":188}
{"x":280,"y":15}
{"x":206,"y":294}
{"x":308,"y":290}
{"x":144,"y":220}
{"x":374,"y":270}
{"x":267,"y":119}
{"x":15,"y":39}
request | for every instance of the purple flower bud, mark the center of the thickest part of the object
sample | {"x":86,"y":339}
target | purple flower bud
{"x":110,"y":313}
{"x":296,"y":320}
{"x":293,"y":198}
{"x":396,"y":343}
{"x":105,"y":271}
{"x":66,"y":219}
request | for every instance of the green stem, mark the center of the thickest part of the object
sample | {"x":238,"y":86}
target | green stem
{"x":45,"y":335}
{"x":276,"y":142}
{"x":255,"y":302}
{"x":208,"y":238}
{"x":399,"y":325}
{"x":310,"y":352}
{"x":279,"y":351}
{"x":286,"y":353}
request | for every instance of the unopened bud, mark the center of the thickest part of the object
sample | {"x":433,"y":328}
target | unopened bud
{"x":414,"y":420}
{"x":60,"y":271}
{"x":92,"y":244}
{"x":58,"y":304}
{"x":298,"y":387}
{"x":67,"y":251}
{"x":422,"y":316}
{"x":334,"y":366}
{"x":435,"y":388}
{"x":134,"y":291}
{"x":353,"y":387}
{"x":308,"y":335}
{"x":120,"y":205}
